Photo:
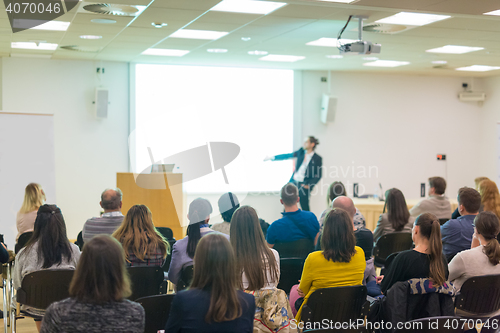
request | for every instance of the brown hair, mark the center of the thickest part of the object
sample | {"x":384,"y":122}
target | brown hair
{"x":336,"y":189}
{"x":253,"y":256}
{"x":470,"y":199}
{"x":488,"y":226}
{"x":397,"y":209}
{"x":338,"y":241}
{"x":479,"y":180}
{"x":430,"y":228}
{"x":215,"y":271}
{"x":100,"y":275}
{"x":34,"y":197}
{"x":138,"y":235}
{"x":438,"y":183}
{"x":289,"y":194}
{"x":490,"y":198}
{"x":111,"y":201}
{"x":312,"y":139}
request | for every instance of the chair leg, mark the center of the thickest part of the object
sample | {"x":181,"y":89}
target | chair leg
{"x":5,"y":306}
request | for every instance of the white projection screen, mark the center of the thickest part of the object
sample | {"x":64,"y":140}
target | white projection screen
{"x":178,"y":108}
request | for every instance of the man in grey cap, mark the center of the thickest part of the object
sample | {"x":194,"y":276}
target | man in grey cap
{"x":228,"y":203}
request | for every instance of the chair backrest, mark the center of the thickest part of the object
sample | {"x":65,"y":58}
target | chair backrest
{"x":443,"y":221}
{"x":290,"y":273}
{"x":186,"y":277}
{"x":433,"y":325}
{"x":167,"y":233}
{"x":479,"y":295}
{"x":390,"y":243}
{"x":42,"y":288}
{"x":145,"y":281}
{"x":23,"y":239}
{"x":338,"y":304}
{"x":168,"y":259}
{"x":296,"y":249}
{"x":491,"y":325}
{"x":157,"y":309}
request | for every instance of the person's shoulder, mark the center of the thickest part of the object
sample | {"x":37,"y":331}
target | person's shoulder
{"x":275,"y":253}
{"x":132,"y":306}
{"x":359,"y":252}
{"x":246,"y":296}
{"x":316,"y":255}
{"x":308,"y":215}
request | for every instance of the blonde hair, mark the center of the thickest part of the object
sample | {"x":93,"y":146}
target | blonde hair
{"x":34,"y":197}
{"x":490,"y":198}
{"x":138,"y":235}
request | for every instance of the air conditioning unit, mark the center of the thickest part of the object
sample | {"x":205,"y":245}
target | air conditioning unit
{"x":469,"y":96}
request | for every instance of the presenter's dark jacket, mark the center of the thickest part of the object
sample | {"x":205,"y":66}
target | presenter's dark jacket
{"x":313,"y":171}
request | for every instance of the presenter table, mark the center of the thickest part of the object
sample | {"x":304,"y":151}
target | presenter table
{"x":372,"y":209}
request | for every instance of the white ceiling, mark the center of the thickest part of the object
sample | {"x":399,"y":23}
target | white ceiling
{"x":285,"y":31}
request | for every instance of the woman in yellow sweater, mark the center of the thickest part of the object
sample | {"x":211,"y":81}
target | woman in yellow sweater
{"x":340,"y":263}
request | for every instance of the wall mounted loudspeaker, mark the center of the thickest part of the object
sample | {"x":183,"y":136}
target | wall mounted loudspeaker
{"x":101,"y":103}
{"x":328,"y":108}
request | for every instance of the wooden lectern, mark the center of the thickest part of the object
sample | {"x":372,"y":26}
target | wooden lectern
{"x":165,"y":202}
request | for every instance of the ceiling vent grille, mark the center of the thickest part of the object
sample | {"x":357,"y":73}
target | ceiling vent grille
{"x":111,"y":9}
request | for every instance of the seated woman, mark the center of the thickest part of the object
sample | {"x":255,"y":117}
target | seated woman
{"x":97,"y":291}
{"x":490,"y":197}
{"x":484,"y":256}
{"x":340,"y":263}
{"x":34,"y":197}
{"x":142,"y":243}
{"x":426,"y":260}
{"x":397,"y":218}
{"x":213,"y":303}
{"x":48,"y":248}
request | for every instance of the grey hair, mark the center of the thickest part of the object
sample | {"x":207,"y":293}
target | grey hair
{"x":111,"y":201}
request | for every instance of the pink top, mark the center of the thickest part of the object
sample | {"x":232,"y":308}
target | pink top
{"x":25,"y":222}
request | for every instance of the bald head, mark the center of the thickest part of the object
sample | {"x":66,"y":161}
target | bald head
{"x":346,"y":204}
{"x":111,"y":199}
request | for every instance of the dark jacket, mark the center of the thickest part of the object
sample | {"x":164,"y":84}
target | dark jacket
{"x":313,"y":171}
{"x":4,"y":255}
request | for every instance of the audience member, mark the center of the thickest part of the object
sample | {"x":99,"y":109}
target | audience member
{"x":110,"y":220}
{"x":395,"y":217}
{"x":228,"y":203}
{"x":426,"y":260}
{"x":213,"y":303}
{"x":337,"y":189}
{"x":296,"y":223}
{"x":484,"y":256}
{"x":339,"y":263}
{"x":478,"y":180}
{"x":490,"y":198}
{"x":97,"y":301}
{"x":142,"y":243}
{"x":264,"y":226}
{"x":437,"y":203}
{"x":4,"y":254}
{"x":34,"y":197}
{"x":457,"y":234}
{"x":257,"y":263}
{"x":48,"y":248}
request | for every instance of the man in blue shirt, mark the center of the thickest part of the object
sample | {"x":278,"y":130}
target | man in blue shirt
{"x":295,"y":224}
{"x":457,"y":234}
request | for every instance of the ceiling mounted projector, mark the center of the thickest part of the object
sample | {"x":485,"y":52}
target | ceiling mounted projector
{"x":360,"y":46}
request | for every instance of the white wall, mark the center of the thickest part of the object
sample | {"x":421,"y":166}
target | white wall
{"x":88,"y":151}
{"x":489,"y":144}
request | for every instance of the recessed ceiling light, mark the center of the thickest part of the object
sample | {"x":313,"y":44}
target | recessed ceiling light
{"x":495,"y":12}
{"x":158,"y":25}
{"x":386,"y":63}
{"x":455,"y":49}
{"x":245,"y":39}
{"x":256,"y":52}
{"x":341,"y":1}
{"x":440,"y":62}
{"x":284,"y":58}
{"x":53,"y":25}
{"x":103,"y":21}
{"x":90,"y":37}
{"x":477,"y":68}
{"x":33,"y":46}
{"x":414,"y":19}
{"x":370,"y":58}
{"x":248,"y":6}
{"x":165,"y":52}
{"x":330,"y":42}
{"x":334,"y":56}
{"x":198,"y":34}
{"x":217,"y":50}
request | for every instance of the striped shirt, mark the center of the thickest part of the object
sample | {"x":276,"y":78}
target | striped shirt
{"x":106,"y":224}
{"x":150,"y":259}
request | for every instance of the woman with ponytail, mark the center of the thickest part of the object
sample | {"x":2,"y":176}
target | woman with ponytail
{"x":184,"y":249}
{"x":426,"y":260}
{"x":484,"y":256}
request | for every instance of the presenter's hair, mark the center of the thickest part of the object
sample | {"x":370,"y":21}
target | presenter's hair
{"x":338,"y":241}
{"x":488,"y":226}
{"x":101,"y":276}
{"x":336,"y":189}
{"x":470,"y":199}
{"x":199,"y":210}
{"x":431,"y":229}
{"x":138,"y":235}
{"x":490,"y":198}
{"x":34,"y":197}
{"x":49,"y":235}
{"x":111,"y":201}
{"x":215,"y":270}
{"x":438,"y":183}
{"x":312,"y":139}
{"x":253,"y":256}
{"x":289,"y":194}
{"x":397,"y":210}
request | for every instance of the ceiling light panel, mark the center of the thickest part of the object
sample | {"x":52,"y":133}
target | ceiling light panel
{"x":477,"y":68}
{"x":282,"y":58}
{"x":51,"y":25}
{"x":248,"y":6}
{"x":495,"y":13}
{"x":165,"y":52}
{"x":455,"y":49}
{"x":413,"y":19}
{"x":198,"y":34}
{"x":386,"y":63}
{"x":33,"y":46}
